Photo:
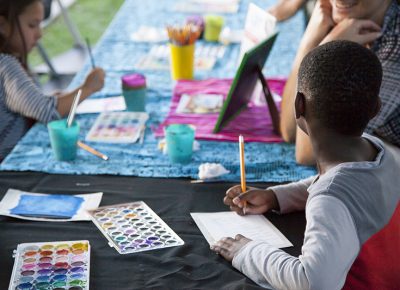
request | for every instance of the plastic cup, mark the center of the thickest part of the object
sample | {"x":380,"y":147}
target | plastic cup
{"x":180,"y":138}
{"x":213,"y":26}
{"x":182,"y":61}
{"x":63,"y":139}
{"x":134,"y":92}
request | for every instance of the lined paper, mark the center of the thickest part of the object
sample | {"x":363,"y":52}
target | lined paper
{"x":215,"y":226}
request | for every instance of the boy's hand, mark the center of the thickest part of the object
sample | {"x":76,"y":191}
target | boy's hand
{"x":362,"y":31}
{"x":228,"y":247}
{"x":257,"y":201}
{"x":94,"y":81}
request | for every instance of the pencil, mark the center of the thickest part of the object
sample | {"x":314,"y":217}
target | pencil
{"x":242,"y":169}
{"x":92,"y":150}
{"x":90,"y":52}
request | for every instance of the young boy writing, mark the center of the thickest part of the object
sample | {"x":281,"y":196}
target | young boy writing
{"x":350,"y":204}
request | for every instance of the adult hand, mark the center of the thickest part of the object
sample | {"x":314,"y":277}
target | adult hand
{"x":94,"y":81}
{"x":229,"y":247}
{"x":362,"y":31}
{"x":257,"y":201}
{"x":320,"y":24}
{"x":285,"y":9}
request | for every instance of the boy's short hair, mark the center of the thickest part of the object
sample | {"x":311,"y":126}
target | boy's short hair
{"x":340,"y":81}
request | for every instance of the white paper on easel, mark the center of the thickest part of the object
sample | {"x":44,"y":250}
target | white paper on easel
{"x":259,"y":25}
{"x":215,"y":226}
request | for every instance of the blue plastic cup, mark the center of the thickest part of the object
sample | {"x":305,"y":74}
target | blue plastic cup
{"x":180,"y":138}
{"x":63,"y":139}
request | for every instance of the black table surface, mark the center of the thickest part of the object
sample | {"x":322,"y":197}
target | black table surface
{"x":191,"y":266}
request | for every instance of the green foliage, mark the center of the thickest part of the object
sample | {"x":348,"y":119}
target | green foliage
{"x":91,"y":18}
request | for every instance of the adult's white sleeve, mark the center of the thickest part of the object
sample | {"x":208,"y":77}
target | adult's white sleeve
{"x":292,"y":196}
{"x":330,"y":247}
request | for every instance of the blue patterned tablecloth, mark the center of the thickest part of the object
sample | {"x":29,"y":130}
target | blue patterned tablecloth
{"x":117,"y":54}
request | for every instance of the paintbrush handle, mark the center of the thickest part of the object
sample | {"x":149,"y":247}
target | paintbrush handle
{"x":71,"y":114}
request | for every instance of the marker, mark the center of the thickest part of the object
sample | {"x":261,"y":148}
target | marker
{"x":242,"y":169}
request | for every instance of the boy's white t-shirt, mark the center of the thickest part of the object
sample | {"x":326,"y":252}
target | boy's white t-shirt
{"x":341,"y":211}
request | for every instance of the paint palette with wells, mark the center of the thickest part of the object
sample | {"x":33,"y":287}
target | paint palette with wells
{"x":51,"y":265}
{"x":134,"y":227}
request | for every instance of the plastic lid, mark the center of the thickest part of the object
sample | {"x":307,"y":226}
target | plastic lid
{"x":134,"y":80}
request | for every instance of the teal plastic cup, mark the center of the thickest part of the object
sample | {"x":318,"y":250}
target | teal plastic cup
{"x":134,"y":92}
{"x":63,"y":139}
{"x":180,"y":138}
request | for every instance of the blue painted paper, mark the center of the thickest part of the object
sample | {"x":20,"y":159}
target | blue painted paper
{"x":48,"y":206}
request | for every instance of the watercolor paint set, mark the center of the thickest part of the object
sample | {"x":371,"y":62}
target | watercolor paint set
{"x":134,"y":227}
{"x":51,"y":265}
{"x":206,"y":55}
{"x":117,"y":127}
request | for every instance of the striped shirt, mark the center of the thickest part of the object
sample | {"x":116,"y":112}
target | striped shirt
{"x":20,"y":100}
{"x":387,"y":123}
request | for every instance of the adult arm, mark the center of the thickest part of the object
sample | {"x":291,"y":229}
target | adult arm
{"x":285,"y":9}
{"x":330,"y":247}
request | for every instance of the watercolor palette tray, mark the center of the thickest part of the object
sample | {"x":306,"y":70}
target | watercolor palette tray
{"x":51,"y":265}
{"x":117,"y":127}
{"x":134,"y":227}
{"x":206,"y":55}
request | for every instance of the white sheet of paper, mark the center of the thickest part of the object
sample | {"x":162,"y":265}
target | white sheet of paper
{"x":12,"y":197}
{"x":110,"y":104}
{"x":259,"y":25}
{"x":215,"y":226}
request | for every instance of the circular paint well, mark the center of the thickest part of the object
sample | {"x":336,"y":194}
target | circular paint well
{"x":45,"y":259}
{"x":28,"y":266}
{"x":77,"y":264}
{"x":45,"y":265}
{"x":77,"y":252}
{"x":42,"y":285}
{"x":75,"y":288}
{"x":28,"y":273}
{"x":77,"y":270}
{"x":25,"y":286}
{"x":25,"y":279}
{"x":61,"y":265}
{"x":61,"y":259}
{"x":77,"y":276}
{"x":46,"y":253}
{"x":60,"y":278}
{"x":170,"y":242}
{"x":158,"y":244}
{"x":153,"y":238}
{"x":29,"y":260}
{"x":77,"y":282}
{"x":120,"y":238}
{"x":30,"y":253}
{"x":46,"y":247}
{"x":62,"y":246}
{"x":43,"y":278}
{"x":62,"y":252}
{"x":78,"y":246}
{"x":143,"y":246}
{"x":44,"y":272}
{"x":78,"y":258}
{"x":60,"y":271}
{"x":31,"y":248}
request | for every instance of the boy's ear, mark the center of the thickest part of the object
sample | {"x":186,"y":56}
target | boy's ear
{"x":4,"y":26}
{"x":299,"y":105}
{"x":376,"y":109}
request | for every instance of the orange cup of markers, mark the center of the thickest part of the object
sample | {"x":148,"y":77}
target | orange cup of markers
{"x":182,"y":61}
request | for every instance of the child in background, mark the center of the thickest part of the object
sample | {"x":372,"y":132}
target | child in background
{"x":20,"y":98}
{"x":352,"y":207}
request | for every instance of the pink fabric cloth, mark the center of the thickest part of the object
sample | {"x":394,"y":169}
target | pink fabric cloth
{"x":254,"y":122}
